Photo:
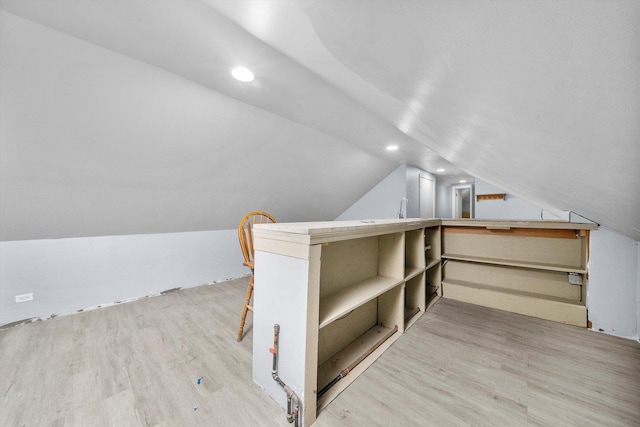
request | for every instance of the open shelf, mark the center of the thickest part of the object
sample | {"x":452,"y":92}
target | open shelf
{"x":414,"y":299}
{"x":336,"y":305}
{"x":516,"y":263}
{"x":414,"y":252}
{"x":328,"y":370}
{"x":546,"y":283}
{"x":355,"y":282}
{"x":532,"y":304}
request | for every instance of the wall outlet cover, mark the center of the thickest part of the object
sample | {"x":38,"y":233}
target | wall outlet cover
{"x":575,"y":278}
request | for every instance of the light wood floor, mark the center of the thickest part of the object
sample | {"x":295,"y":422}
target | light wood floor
{"x":137,"y":364}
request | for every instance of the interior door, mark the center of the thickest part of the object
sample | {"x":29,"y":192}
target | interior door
{"x":427,"y":197}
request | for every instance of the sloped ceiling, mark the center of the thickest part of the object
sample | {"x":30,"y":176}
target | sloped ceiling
{"x":124,"y":119}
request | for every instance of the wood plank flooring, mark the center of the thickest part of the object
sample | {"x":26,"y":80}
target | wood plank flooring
{"x":137,"y":364}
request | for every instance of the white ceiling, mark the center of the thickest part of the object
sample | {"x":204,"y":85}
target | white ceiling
{"x":139,"y":127}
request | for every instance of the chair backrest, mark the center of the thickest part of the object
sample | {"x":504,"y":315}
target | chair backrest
{"x":245,"y":232}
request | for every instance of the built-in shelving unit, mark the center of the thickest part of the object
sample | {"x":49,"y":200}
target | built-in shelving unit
{"x":342,"y":292}
{"x":518,"y":267}
{"x":361,"y":289}
{"x":353,"y":288}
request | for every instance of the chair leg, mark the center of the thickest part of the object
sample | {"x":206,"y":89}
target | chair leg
{"x":247,"y":307}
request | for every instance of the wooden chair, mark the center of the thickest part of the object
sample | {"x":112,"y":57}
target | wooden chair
{"x":245,"y":236}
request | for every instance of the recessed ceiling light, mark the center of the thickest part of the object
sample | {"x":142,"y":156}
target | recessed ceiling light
{"x":440,"y":170}
{"x":462,"y":181}
{"x":243,"y":74}
{"x":392,"y":147}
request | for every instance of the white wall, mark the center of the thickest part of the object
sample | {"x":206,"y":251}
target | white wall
{"x":292,"y":318}
{"x":510,"y":208}
{"x":67,"y":275}
{"x":96,"y":143}
{"x":383,"y":200}
{"x":443,"y":201}
{"x":612,"y":298}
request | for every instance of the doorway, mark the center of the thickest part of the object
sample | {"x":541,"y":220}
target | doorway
{"x":462,"y":201}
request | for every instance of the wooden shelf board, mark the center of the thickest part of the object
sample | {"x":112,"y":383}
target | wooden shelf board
{"x":332,"y":367}
{"x":516,"y":263}
{"x":340,"y":303}
{"x":545,"y":307}
{"x":411,"y":272}
{"x":432,"y":263}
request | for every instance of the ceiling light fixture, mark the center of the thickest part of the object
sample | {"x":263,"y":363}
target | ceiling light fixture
{"x":440,"y":170}
{"x":392,"y":147}
{"x":243,"y":74}
{"x":462,"y":181}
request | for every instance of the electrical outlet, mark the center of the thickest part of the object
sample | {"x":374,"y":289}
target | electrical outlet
{"x":24,"y":297}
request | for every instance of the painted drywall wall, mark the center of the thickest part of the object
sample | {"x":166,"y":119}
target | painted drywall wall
{"x":67,"y":275}
{"x":638,"y":296}
{"x":612,"y":298}
{"x":95,"y":143}
{"x":413,"y":192}
{"x":382,"y":201}
{"x":292,"y":319}
{"x":510,"y":208}
{"x":443,"y":201}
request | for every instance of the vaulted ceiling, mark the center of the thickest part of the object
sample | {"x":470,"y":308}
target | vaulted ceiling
{"x":121,"y":117}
